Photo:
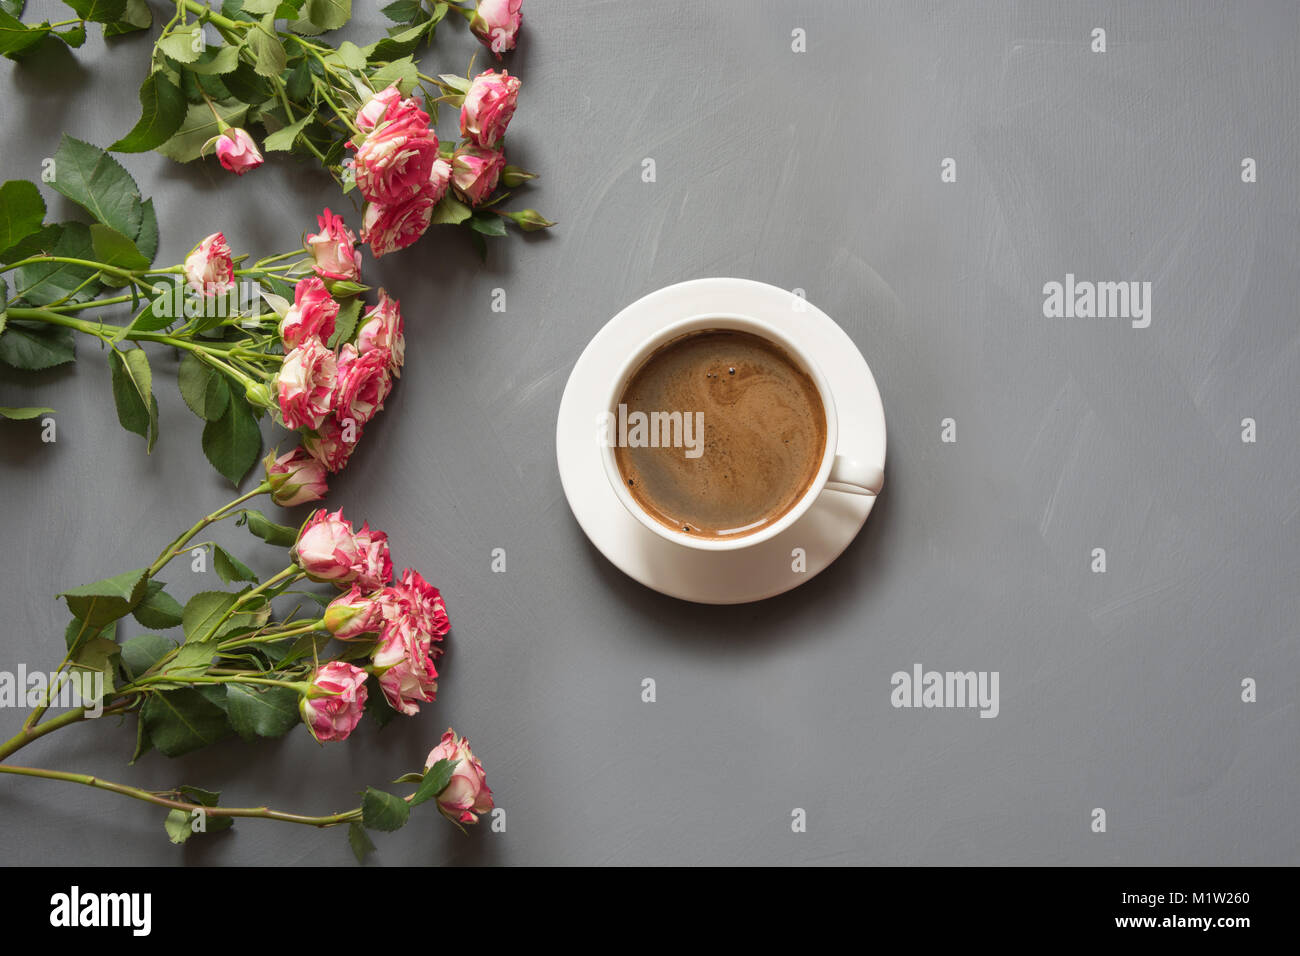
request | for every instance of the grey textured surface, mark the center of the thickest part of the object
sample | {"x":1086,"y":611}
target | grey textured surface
{"x":817,"y":170}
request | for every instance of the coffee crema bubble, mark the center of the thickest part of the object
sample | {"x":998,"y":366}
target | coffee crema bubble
{"x":764,"y":433}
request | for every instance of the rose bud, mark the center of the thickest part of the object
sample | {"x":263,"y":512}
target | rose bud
{"x":381,"y":328}
{"x":237,"y":152}
{"x":296,"y":478}
{"x":475,"y":171}
{"x":209,"y":268}
{"x":406,"y":672}
{"x":305,"y":385}
{"x":336,"y":701}
{"x":332,"y":443}
{"x":376,"y":108}
{"x":373,"y":564}
{"x":327,"y":548}
{"x":312,"y":314}
{"x":353,"y":615}
{"x":467,"y":793}
{"x":334,"y":249}
{"x":529,"y":220}
{"x":363,"y":383}
{"x":496,"y":24}
{"x":488,"y":106}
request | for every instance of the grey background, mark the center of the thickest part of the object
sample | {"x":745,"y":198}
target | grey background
{"x":821,"y":171}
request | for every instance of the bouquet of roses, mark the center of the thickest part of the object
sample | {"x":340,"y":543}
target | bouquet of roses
{"x":288,"y":334}
{"x":239,"y":668}
{"x":349,"y":108}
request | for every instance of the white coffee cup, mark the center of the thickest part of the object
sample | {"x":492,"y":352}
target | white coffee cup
{"x":836,"y":473}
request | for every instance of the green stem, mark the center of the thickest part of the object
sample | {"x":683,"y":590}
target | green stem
{"x":175,"y":547}
{"x":171,"y":803}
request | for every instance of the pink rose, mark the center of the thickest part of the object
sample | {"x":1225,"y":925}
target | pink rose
{"x":312,"y":314}
{"x":488,"y":106}
{"x":353,"y":614}
{"x":376,"y":108}
{"x":296,"y":478}
{"x":381,"y":328}
{"x":496,"y":24}
{"x":467,"y":793}
{"x":334,"y":249}
{"x":421,"y":603}
{"x":327,"y":548}
{"x":475,"y":171}
{"x":305,"y":385}
{"x":332,"y":443}
{"x":373,"y":564}
{"x":394,"y":162}
{"x":388,"y":228}
{"x":237,"y":152}
{"x":334,"y":714}
{"x":408,"y":677}
{"x":208,"y":268}
{"x":363,"y":383}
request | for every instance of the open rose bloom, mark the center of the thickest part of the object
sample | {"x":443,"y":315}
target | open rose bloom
{"x":333,"y":249}
{"x":337,"y":701}
{"x":209,"y":268}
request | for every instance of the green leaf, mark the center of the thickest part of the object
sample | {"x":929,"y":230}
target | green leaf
{"x":32,"y":348}
{"x":136,"y":16}
{"x":324,"y":15}
{"x":199,"y":126}
{"x":233,"y":442}
{"x":23,"y":414}
{"x":146,"y":240}
{"x":351,"y":55}
{"x":400,"y":44}
{"x":283,"y":139}
{"x":44,"y":282}
{"x":297,"y":86}
{"x":435,"y":781}
{"x":158,"y":609}
{"x":261,"y":711}
{"x":193,"y":660}
{"x":266,"y":529}
{"x":137,"y":409}
{"x":377,"y":706}
{"x":114,"y":249}
{"x":73,"y":37}
{"x":183,"y":720}
{"x":488,"y":224}
{"x":259,"y":8}
{"x":182,"y":43}
{"x":103,"y":601}
{"x":360,"y":841}
{"x":204,"y":388}
{"x":203,"y":613}
{"x":143,"y":652}
{"x":230,"y":568}
{"x":383,"y":811}
{"x":78,"y":632}
{"x":96,"y":656}
{"x":97,"y":182}
{"x":162,"y":110}
{"x":216,"y":61}
{"x":22,"y":210}
{"x":16,"y":39}
{"x":345,"y":323}
{"x":267,"y":48}
{"x":450,"y":210}
{"x":98,"y":11}
{"x":403,"y":72}
{"x":402,"y":11}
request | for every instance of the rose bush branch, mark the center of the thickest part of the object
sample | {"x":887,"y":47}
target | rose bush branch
{"x":263,"y":66}
{"x":239,"y":668}
{"x":288,"y":334}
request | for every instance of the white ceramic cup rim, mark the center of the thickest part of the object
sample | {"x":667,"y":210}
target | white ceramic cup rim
{"x":727,"y":321}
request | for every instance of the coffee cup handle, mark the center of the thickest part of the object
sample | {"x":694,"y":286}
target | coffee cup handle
{"x":854,"y":477}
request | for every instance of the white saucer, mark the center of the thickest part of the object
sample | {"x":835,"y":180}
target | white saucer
{"x":718,"y":577}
